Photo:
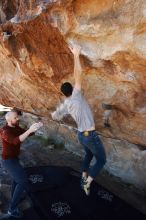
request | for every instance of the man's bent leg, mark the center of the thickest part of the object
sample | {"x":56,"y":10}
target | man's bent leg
{"x":98,"y":151}
{"x":94,"y":145}
{"x":87,"y":159}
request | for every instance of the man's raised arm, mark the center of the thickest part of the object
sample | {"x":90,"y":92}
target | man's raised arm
{"x":77,"y":66}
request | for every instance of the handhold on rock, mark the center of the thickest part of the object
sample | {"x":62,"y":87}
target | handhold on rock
{"x":107,"y":125}
{"x":107,"y":106}
{"x":6,"y":35}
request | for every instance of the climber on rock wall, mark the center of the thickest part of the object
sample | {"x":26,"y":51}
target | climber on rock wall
{"x":76,"y":105}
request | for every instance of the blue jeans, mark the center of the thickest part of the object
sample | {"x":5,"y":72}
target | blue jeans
{"x":93,"y":147}
{"x":20,"y":182}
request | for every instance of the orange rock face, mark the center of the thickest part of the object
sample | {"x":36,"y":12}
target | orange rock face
{"x":35,"y":59}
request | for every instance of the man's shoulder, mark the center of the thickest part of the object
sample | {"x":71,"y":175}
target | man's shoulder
{"x":8,"y":128}
{"x":75,"y":89}
{"x":76,"y":92}
{"x":5,"y":127}
{"x":1,"y":130}
{"x":4,"y":130}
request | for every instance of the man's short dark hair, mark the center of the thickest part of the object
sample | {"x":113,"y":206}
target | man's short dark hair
{"x":66,"y":89}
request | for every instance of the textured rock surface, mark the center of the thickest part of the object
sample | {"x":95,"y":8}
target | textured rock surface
{"x":35,"y":59}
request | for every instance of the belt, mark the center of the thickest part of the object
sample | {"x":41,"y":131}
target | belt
{"x":87,"y":133}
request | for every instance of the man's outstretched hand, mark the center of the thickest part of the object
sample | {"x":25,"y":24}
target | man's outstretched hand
{"x":34,"y":127}
{"x":75,"y":49}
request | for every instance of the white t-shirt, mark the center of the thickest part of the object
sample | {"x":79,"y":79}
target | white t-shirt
{"x":77,"y":106}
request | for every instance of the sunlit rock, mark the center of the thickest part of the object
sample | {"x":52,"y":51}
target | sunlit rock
{"x":35,"y":59}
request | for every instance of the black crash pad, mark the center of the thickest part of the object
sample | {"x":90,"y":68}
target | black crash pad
{"x":44,"y":177}
{"x":60,"y":197}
